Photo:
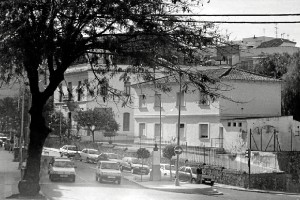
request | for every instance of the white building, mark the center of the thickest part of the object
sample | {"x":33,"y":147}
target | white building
{"x":78,"y":76}
{"x":221,"y":124}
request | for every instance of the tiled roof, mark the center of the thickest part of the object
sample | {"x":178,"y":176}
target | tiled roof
{"x":225,"y":73}
{"x":236,"y":74}
{"x":274,"y":43}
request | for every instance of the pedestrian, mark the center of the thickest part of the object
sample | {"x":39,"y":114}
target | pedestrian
{"x":199,"y":174}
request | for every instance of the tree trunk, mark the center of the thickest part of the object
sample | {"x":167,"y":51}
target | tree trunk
{"x":29,"y":185}
{"x":170,"y":170}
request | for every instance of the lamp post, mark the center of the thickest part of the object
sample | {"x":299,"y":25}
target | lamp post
{"x":178,"y":130}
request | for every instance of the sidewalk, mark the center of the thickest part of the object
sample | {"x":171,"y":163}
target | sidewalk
{"x":166,"y":185}
{"x":10,"y":176}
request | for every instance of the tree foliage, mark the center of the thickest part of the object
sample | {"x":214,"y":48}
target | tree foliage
{"x":291,"y":89}
{"x":168,"y":152}
{"x":143,"y":153}
{"x":101,"y":118}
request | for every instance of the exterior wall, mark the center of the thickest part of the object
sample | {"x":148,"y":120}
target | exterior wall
{"x":251,"y":99}
{"x":286,"y":130}
{"x":246,"y":53}
{"x":192,"y":114}
{"x":89,"y":102}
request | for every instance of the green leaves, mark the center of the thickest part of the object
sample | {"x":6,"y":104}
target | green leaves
{"x":101,"y":118}
{"x":168,"y":151}
{"x":143,"y":153}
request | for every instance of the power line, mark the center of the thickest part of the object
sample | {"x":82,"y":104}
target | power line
{"x":225,"y":15}
{"x":235,"y":22}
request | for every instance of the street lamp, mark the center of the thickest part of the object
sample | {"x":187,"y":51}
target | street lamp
{"x":178,"y":131}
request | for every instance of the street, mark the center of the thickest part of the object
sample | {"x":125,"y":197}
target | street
{"x":86,"y":188}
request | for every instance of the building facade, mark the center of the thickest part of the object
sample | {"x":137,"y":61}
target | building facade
{"x":80,"y":90}
{"x":223,"y":123}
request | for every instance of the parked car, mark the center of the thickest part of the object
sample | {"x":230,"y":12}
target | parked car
{"x":68,"y":150}
{"x":134,"y":165}
{"x":89,"y":155}
{"x":188,"y":173}
{"x":108,"y":171}
{"x":110,"y":156}
{"x":61,"y":169}
{"x":165,"y":169}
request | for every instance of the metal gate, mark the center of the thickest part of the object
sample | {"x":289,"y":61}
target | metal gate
{"x":265,"y":138}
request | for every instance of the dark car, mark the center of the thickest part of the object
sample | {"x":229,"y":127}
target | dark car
{"x":134,"y":165}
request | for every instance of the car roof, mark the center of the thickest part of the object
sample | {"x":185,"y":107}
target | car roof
{"x":60,"y":158}
{"x":107,"y":161}
{"x":68,"y":145}
{"x":92,"y":149}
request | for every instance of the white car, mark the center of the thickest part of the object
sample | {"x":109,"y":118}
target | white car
{"x":108,"y":171}
{"x":61,"y":168}
{"x":68,"y":150}
{"x":165,"y":169}
{"x":89,"y":155}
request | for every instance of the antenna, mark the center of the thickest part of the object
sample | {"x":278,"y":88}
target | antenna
{"x":276,"y":29}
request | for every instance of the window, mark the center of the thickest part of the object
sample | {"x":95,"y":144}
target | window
{"x":126,"y":121}
{"x":234,"y":124}
{"x":127,"y":88}
{"x":104,"y":88}
{"x":79,"y":91}
{"x":181,"y":96}
{"x":70,"y":93}
{"x":181,"y":131}
{"x":142,"y":101}
{"x":157,"y":100}
{"x":203,"y":130}
{"x":61,"y":93}
{"x":203,"y":99}
{"x":142,"y":129}
{"x":157,"y":130}
{"x":240,"y":124}
{"x":229,"y":124}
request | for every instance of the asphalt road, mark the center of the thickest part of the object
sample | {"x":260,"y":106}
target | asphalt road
{"x":86,"y":188}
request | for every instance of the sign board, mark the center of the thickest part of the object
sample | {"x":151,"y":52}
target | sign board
{"x":178,"y":150}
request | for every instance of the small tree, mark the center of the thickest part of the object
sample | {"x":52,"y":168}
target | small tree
{"x":111,"y":129}
{"x":98,"y":118}
{"x":168,"y":152}
{"x":143,"y":154}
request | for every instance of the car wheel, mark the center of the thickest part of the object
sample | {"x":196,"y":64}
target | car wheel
{"x":212,"y":183}
{"x":193,"y":181}
{"x":119,"y":182}
{"x":100,"y":180}
{"x":73,"y":179}
{"x":97,"y":178}
{"x":61,"y":154}
{"x":87,"y":160}
{"x":50,"y":177}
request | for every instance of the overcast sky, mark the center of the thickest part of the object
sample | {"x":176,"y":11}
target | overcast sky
{"x":239,"y":31}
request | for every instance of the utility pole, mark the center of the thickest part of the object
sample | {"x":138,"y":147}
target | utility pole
{"x":249,"y":158}
{"x":178,"y":130}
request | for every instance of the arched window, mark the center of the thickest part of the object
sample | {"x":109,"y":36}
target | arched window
{"x":126,"y":121}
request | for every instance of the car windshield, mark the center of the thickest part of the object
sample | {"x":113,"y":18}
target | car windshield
{"x":168,"y":167}
{"x":93,"y":152}
{"x":72,"y":148}
{"x":112,"y":156}
{"x":64,"y":164}
{"x":110,"y":166}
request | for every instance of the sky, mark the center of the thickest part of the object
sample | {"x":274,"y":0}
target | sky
{"x":239,"y":31}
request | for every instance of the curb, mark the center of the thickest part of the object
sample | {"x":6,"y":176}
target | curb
{"x":185,"y":191}
{"x":254,"y":190}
